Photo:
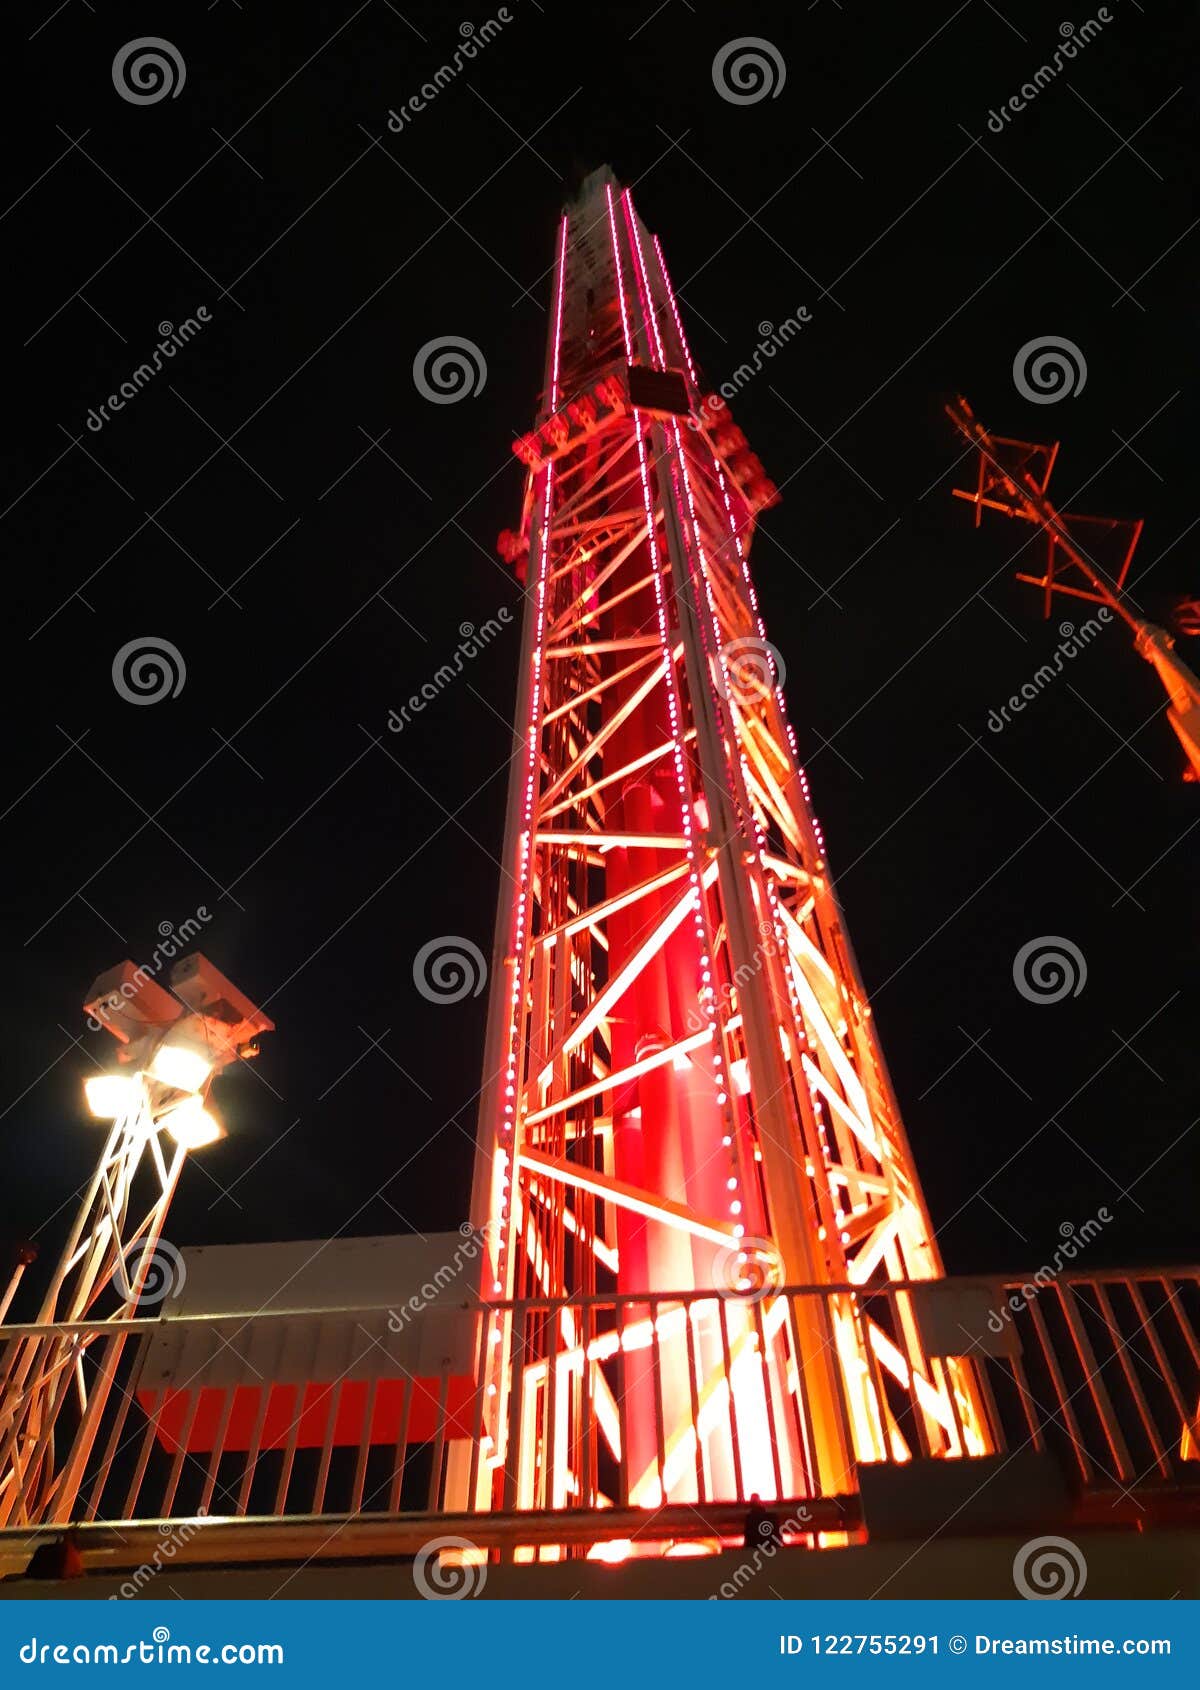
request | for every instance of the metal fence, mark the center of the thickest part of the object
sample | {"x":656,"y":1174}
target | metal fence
{"x":610,"y":1404}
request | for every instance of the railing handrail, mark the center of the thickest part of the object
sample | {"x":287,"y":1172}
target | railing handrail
{"x":1062,"y":1371}
{"x":165,"y":1322}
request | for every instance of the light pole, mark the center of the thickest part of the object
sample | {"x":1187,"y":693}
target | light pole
{"x":172,"y":1046}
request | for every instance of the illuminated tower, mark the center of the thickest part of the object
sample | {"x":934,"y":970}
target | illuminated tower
{"x":685,"y":1105}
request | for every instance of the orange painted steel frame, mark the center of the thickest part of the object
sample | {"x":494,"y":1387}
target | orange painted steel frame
{"x":683,"y":1088}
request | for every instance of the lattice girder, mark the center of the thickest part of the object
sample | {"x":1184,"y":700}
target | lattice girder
{"x":684,"y":1086}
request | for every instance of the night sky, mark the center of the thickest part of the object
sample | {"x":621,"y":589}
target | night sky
{"x":284,"y":506}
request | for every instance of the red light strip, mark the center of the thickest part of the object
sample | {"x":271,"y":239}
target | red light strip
{"x":521,"y":911}
{"x":562,"y":270}
{"x":643,"y":281}
{"x":662,"y":270}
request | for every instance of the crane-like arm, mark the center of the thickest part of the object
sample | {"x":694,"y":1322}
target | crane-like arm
{"x":1012,"y":479}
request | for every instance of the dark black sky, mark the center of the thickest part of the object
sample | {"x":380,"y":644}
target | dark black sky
{"x":313,"y":580}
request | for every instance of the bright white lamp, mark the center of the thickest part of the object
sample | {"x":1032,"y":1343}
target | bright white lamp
{"x":182,"y":1063}
{"x":110,"y":1095}
{"x":191,"y":1125}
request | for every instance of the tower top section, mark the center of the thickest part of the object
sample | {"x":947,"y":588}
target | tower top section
{"x":617,"y":346}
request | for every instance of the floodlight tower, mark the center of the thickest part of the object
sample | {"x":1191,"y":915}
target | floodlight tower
{"x":171,"y":1047}
{"x":684,"y":1090}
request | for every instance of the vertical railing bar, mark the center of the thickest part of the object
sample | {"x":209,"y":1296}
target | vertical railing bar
{"x":689,"y":1333}
{"x":516,"y":1411}
{"x":1071,"y":1425}
{"x":364,"y":1446}
{"x":660,"y":1430}
{"x":764,"y":1369}
{"x":300,"y":1403}
{"x":1097,"y":1389}
{"x":1160,"y":1355}
{"x":587,"y":1332}
{"x":804,"y":1405}
{"x":790,"y":1410}
{"x":397,"y":1485}
{"x":139,"y":1472}
{"x":928,"y":1423}
{"x":550,"y":1423}
{"x":1135,"y":1390}
{"x":180,"y":1454}
{"x":849,"y":1432}
{"x":979,"y":1370}
{"x":862,"y":1320}
{"x":103,"y":1472}
{"x":577,"y":1401}
{"x":334,"y":1400}
{"x":481,"y":1367}
{"x":255,"y":1448}
{"x":945,"y":1373}
{"x":905,"y":1323}
{"x":1175,"y":1303}
{"x":439,"y":1442}
{"x":218,"y":1450}
{"x":734,"y":1440}
{"x":622,"y":1371}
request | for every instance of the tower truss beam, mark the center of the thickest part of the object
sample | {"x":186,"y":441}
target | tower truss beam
{"x":681,"y":1061}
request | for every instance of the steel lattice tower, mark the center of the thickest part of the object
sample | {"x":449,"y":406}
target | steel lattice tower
{"x":684,"y":1092}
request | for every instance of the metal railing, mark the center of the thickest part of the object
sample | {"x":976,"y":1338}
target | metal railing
{"x":620,"y":1404}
